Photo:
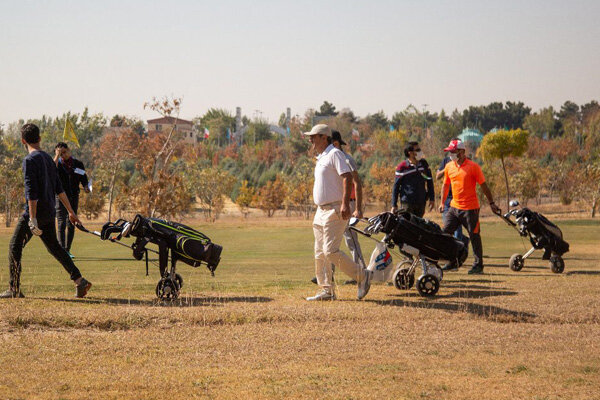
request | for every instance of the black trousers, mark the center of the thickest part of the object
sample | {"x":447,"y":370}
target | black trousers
{"x":64,"y":225}
{"x":416,"y":209}
{"x":470,"y":220}
{"x":19,"y":240}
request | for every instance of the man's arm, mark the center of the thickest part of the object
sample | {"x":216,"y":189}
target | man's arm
{"x":445,"y":190}
{"x":486,"y":191}
{"x":358,"y":189}
{"x":430,"y":188}
{"x":395,"y":193}
{"x":84,"y":178}
{"x":439,"y":174}
{"x":345,"y":209}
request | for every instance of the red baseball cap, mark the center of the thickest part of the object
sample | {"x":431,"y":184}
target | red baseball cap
{"x":455,"y":145}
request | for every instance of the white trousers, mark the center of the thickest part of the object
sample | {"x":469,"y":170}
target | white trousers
{"x":329,"y":227}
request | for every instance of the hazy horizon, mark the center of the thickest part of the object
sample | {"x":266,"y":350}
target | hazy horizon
{"x":383,"y":55}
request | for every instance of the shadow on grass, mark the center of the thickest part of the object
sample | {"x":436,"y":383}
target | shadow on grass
{"x":493,"y":313}
{"x":180,"y":302}
{"x":582,"y":273}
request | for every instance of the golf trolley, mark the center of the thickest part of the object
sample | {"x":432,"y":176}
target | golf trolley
{"x":542,"y":233}
{"x":418,"y":242}
{"x":175,"y":242}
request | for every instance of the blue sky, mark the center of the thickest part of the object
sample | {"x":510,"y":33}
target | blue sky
{"x":112,"y":56}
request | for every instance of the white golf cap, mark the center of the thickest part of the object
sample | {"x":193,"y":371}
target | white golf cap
{"x":320,"y":129}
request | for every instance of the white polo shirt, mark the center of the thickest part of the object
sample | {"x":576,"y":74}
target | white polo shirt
{"x":329,"y":185}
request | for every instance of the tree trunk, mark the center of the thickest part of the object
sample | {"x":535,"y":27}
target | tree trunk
{"x":506,"y":181}
{"x":594,"y":205}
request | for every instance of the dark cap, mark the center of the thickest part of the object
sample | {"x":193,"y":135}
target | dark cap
{"x":337,"y":137}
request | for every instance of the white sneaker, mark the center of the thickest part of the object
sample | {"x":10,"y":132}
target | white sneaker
{"x":322,"y":295}
{"x":364,"y":285}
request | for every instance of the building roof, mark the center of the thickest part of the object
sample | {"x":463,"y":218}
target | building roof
{"x":469,"y":135}
{"x":169,"y":120}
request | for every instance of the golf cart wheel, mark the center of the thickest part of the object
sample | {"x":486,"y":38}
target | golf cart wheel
{"x":516,"y":262}
{"x":402,"y":279}
{"x":428,"y":285}
{"x":557,"y":264}
{"x":167,"y":289}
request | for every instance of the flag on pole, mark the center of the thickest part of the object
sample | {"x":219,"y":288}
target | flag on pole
{"x":69,"y":133}
{"x":206,"y":133}
{"x":355,"y":134}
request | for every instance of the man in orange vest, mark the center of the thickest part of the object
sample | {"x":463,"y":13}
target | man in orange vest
{"x":463,"y":175}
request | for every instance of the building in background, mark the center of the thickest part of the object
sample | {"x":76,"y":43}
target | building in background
{"x":183,"y":127}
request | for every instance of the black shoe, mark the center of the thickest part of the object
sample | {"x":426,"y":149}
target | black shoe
{"x":476,"y":270}
{"x":82,"y":289}
{"x":351,"y":282}
{"x":450,"y":267}
{"x":314,"y":280}
{"x":11,"y":294}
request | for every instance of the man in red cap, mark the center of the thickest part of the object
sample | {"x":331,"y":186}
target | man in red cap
{"x":463,"y":175}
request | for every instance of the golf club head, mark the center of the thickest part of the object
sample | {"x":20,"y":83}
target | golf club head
{"x":514,"y":203}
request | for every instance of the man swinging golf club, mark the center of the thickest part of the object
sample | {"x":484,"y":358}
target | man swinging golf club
{"x":331,"y":194}
{"x":41,"y":186}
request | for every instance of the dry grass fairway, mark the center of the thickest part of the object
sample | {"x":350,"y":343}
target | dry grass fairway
{"x":247,"y":333}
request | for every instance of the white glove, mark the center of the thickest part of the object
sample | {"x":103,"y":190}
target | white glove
{"x":33,"y":225}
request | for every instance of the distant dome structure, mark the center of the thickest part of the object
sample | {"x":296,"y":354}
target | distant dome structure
{"x":471,"y":136}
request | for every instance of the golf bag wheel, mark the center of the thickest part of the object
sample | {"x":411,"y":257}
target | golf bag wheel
{"x":167,"y":289}
{"x":557,"y":264}
{"x":428,"y":285}
{"x":403,"y":280}
{"x":516,"y":262}
{"x":179,"y":280}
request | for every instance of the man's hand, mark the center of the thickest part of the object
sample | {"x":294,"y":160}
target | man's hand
{"x":74,"y":219}
{"x":345,"y":211}
{"x":393,"y":210}
{"x":33,"y":226}
{"x":441,"y":208}
{"x":86,"y":189}
{"x":495,"y":208}
{"x":431,"y":204}
{"x":357,"y":213}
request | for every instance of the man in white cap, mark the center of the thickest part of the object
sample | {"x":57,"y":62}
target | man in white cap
{"x":331,"y":194}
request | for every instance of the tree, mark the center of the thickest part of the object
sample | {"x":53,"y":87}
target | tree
{"x":383,"y":178}
{"x":542,"y":124}
{"x":244,"y":198}
{"x":92,"y":204}
{"x":271,"y":196}
{"x":211,"y":185}
{"x":588,"y":187}
{"x":11,"y":178}
{"x":502,"y":144}
{"x":299,"y":186}
{"x":110,"y":155}
{"x":326,"y":110}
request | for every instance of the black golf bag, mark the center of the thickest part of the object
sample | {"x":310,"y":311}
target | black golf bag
{"x":175,"y":241}
{"x":424,"y":235}
{"x":542,"y":233}
{"x":186,"y":244}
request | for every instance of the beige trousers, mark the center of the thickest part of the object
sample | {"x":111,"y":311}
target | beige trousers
{"x":329,"y":227}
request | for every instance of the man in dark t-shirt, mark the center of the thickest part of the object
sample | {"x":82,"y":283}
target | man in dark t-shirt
{"x":41,"y":186}
{"x":72,"y":176}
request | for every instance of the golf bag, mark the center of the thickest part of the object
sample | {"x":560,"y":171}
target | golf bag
{"x":175,"y":242}
{"x":186,"y":244}
{"x":420,"y":241}
{"x":542,"y":233}
{"x":426,"y":236}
